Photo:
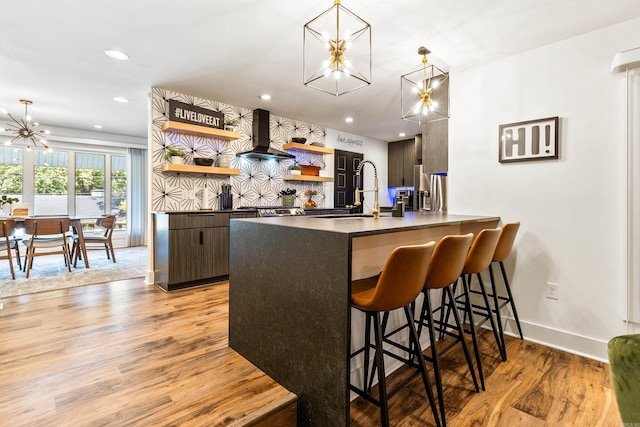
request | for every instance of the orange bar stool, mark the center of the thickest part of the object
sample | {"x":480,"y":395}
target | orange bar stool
{"x":503,"y":250}
{"x":478,"y":259}
{"x":397,"y":286}
{"x":446,"y":265}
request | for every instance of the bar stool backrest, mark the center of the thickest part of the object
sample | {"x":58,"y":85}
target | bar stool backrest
{"x":505,"y":243}
{"x":482,"y":250}
{"x":402,"y":277}
{"x":447,"y":261}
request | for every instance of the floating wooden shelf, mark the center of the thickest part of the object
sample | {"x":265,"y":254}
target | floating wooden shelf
{"x":168,"y":167}
{"x":307,"y":178}
{"x":185,"y":128}
{"x":309,"y":148}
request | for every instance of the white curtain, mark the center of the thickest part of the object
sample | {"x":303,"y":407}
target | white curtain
{"x":633,"y":194}
{"x":137,"y":199}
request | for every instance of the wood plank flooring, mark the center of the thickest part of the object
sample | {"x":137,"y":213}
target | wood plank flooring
{"x":127,"y":354}
{"x":536,"y":386}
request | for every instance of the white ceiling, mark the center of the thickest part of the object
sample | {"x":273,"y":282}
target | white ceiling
{"x":52,"y":52}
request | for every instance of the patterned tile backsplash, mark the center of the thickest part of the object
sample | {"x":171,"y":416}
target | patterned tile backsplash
{"x":259,"y":181}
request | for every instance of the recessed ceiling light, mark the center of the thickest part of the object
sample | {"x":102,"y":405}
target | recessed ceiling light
{"x":116,"y":54}
{"x":349,"y":120}
{"x":265,"y":97}
{"x":120,"y":99}
{"x":97,"y":126}
{"x":401,"y":134}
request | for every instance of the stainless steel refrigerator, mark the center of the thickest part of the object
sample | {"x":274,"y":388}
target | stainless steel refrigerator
{"x":430,"y":190}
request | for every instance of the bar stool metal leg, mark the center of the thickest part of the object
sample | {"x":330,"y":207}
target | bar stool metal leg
{"x":486,"y":312}
{"x":510,"y":300}
{"x":472,"y":329}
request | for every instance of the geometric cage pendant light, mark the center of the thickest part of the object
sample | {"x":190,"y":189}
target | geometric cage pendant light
{"x":337,"y":51}
{"x":425,"y":92}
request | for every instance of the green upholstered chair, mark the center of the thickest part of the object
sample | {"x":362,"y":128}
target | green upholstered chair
{"x":624,"y":362}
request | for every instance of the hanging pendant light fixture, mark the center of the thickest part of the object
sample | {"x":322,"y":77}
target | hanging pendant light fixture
{"x":425,"y":92}
{"x":337,"y":51}
{"x":25,"y":129}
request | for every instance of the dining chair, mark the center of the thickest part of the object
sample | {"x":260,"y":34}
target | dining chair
{"x":19,"y":210}
{"x":100,"y":237}
{"x":7,"y":226}
{"x":50,"y":233}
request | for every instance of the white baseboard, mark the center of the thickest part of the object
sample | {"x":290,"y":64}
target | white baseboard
{"x":562,"y":340}
{"x":149,"y":277}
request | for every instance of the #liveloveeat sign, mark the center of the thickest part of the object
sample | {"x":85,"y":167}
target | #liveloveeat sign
{"x":194,"y":115}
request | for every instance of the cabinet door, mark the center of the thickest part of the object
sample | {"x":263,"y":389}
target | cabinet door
{"x":185,"y":259}
{"x":215,"y":252}
{"x":396,"y":164}
{"x":408,"y":160}
{"x":435,"y":150}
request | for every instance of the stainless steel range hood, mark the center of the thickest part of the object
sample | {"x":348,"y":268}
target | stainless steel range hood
{"x":262,"y":141}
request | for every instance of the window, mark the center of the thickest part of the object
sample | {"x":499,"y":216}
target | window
{"x":119,"y":190}
{"x":89,"y":185}
{"x":50,"y":182}
{"x":75,"y":179}
{"x":11,"y":172}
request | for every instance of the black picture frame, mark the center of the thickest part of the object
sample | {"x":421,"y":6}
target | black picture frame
{"x":535,"y":140}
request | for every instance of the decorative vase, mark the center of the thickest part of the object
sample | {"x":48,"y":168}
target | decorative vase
{"x":288,"y":200}
{"x":223,"y":161}
{"x":176,"y":160}
{"x":204,"y":205}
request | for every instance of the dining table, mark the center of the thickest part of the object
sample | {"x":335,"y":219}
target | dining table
{"x":76,"y":224}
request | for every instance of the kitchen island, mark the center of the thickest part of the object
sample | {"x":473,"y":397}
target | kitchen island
{"x":289,"y":295}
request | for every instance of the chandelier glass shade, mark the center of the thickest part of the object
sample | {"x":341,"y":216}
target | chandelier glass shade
{"x":425,"y":92}
{"x":337,"y":51}
{"x":25,"y":130}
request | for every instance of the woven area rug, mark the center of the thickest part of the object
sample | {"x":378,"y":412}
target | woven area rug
{"x":49,"y":272}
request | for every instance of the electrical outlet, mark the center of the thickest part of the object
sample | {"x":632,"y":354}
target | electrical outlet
{"x":553,"y":290}
{"x":1,"y":306}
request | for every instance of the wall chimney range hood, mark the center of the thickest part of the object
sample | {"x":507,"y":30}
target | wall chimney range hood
{"x":262,"y":140}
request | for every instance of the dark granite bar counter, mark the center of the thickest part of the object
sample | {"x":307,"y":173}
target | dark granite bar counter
{"x":289,"y":295}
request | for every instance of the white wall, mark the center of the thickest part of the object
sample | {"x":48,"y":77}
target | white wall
{"x":373,"y":149}
{"x":572,"y":209}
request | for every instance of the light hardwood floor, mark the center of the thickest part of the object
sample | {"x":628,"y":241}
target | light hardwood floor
{"x":537,"y":386}
{"x":126,"y":353}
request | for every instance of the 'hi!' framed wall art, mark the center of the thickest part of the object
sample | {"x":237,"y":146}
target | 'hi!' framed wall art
{"x":530,"y":140}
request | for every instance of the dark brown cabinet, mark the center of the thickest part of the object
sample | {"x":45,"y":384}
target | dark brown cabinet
{"x":402,"y":157}
{"x":192,"y":248}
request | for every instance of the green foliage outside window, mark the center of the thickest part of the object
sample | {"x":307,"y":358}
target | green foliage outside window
{"x":10,"y":179}
{"x":50,"y":180}
{"x":88,"y":180}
